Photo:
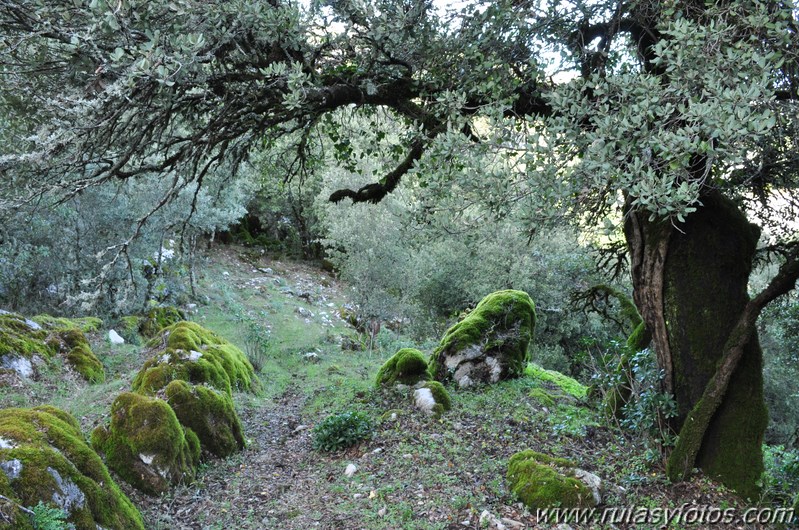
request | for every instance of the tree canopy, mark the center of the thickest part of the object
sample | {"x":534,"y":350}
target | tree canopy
{"x":662,"y":101}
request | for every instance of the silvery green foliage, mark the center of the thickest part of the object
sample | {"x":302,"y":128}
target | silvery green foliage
{"x":176,"y":90}
{"x":108,"y":246}
{"x":703,"y":122}
{"x":424,"y":254}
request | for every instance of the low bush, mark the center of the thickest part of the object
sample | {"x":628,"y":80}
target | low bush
{"x":342,"y":430}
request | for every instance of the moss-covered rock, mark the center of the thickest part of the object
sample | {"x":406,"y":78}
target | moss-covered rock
{"x":84,"y":324}
{"x":541,"y":481}
{"x":44,"y":458}
{"x":490,"y":343}
{"x":565,"y":383}
{"x":543,"y":397}
{"x":210,"y":414}
{"x":21,"y":339}
{"x":79,"y":354}
{"x":146,"y":444}
{"x":159,"y":318}
{"x":408,"y":366}
{"x":196,"y":355}
{"x":432,"y":397}
{"x":128,"y":329}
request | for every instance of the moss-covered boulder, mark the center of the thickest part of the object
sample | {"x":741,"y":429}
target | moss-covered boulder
{"x":22,"y":341}
{"x":79,"y":354}
{"x":557,"y":380}
{"x":196,"y":355}
{"x":158,"y":318}
{"x":84,"y":324}
{"x":541,"y":481}
{"x":543,"y":397}
{"x":146,"y":444}
{"x":408,"y":366}
{"x":209,"y":413}
{"x":490,"y":343}
{"x":44,"y":458}
{"x":432,"y":397}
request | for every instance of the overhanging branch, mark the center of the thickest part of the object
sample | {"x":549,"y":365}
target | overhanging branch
{"x":375,"y":192}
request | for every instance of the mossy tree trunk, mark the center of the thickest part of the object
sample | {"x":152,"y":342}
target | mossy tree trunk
{"x":691,"y":287}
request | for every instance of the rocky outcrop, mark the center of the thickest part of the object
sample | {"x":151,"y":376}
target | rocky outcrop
{"x":44,"y":458}
{"x":180,"y":409}
{"x":489,"y":344}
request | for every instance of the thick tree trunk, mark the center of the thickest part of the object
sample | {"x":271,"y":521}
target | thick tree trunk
{"x":691,"y":287}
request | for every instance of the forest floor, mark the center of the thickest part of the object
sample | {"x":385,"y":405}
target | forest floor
{"x":416,"y":472}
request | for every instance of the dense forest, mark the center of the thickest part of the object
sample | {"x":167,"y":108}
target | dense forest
{"x":398,"y":263}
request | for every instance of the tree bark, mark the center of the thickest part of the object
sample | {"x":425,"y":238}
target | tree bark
{"x":691,"y":288}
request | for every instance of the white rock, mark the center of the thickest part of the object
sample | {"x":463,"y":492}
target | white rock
{"x":147,"y":459}
{"x":115,"y":337}
{"x":12,"y":468}
{"x":487,"y":518}
{"x":194,"y":355}
{"x":351,"y":469}
{"x":424,"y":400}
{"x":7,"y":444}
{"x":33,"y":325}
{"x":311,"y":357}
{"x":21,"y":365}
{"x":593,"y":482}
{"x":68,"y":494}
{"x":382,"y":512}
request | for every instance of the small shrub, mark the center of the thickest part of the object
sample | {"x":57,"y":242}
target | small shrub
{"x":49,"y":518}
{"x":342,"y":430}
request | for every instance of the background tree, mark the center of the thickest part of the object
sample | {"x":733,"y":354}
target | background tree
{"x":677,"y":117}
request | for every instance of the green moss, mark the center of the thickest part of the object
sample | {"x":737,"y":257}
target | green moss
{"x":501,"y":326}
{"x":18,"y":337}
{"x":57,"y":335}
{"x":128,"y":328}
{"x":208,"y":413}
{"x":407,"y":366}
{"x":543,"y":397}
{"x":83,"y":324}
{"x":146,"y":445}
{"x":215,"y":362}
{"x":159,"y":318}
{"x":639,"y":338}
{"x":83,"y":360}
{"x":53,"y":464}
{"x":169,"y":366}
{"x":541,"y":481}
{"x":564,"y":382}
{"x":80,"y":355}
